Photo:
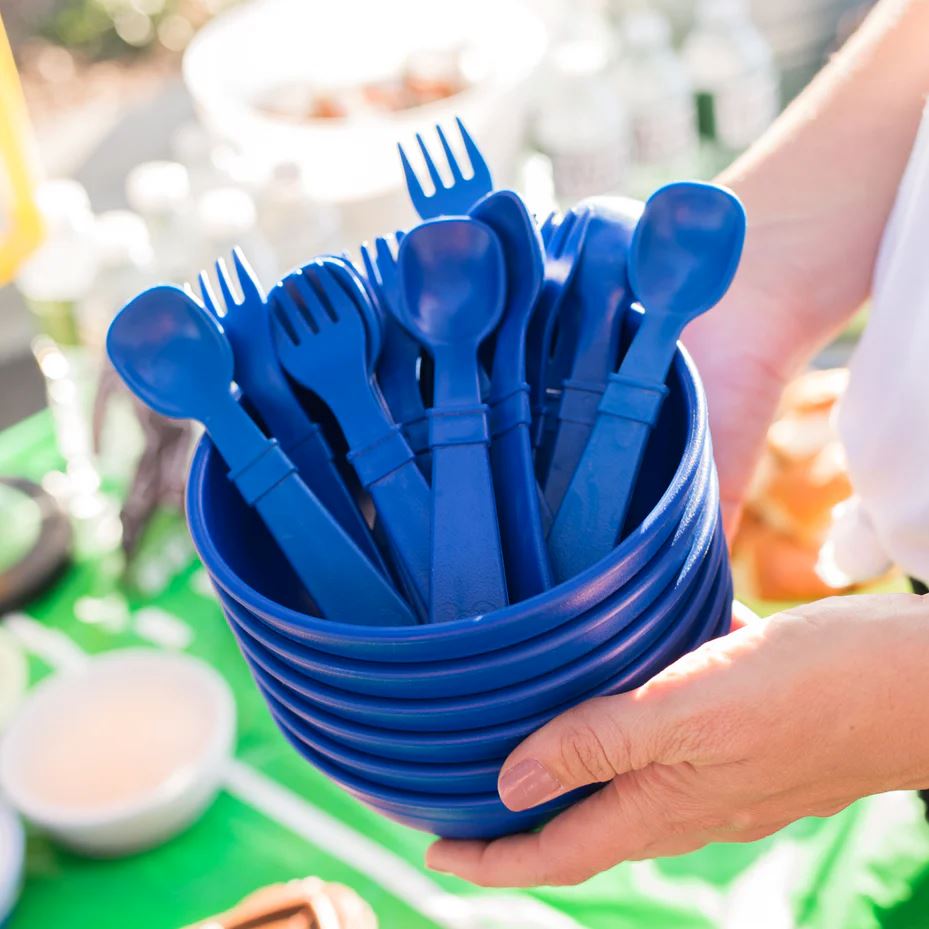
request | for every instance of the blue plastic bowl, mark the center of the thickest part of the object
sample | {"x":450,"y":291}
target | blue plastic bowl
{"x":667,"y":621}
{"x":243,"y":561}
{"x":504,"y":667}
{"x":496,"y":740}
{"x":448,"y":814}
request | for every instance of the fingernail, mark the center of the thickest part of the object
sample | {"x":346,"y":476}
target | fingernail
{"x":527,"y":784}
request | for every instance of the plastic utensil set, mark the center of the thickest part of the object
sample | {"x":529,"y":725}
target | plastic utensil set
{"x":534,"y":423}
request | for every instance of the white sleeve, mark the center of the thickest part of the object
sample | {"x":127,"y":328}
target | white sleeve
{"x":883,"y":419}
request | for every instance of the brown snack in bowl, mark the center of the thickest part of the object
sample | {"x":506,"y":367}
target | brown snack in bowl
{"x":309,"y":903}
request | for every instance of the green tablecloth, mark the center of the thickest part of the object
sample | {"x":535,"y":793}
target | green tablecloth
{"x":278,"y":819}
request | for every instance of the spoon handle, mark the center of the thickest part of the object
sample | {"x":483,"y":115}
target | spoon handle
{"x":468,"y":576}
{"x":330,"y":565}
{"x":594,"y":508}
{"x":517,"y":494}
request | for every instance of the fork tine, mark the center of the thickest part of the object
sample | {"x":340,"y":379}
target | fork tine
{"x":385,"y":255}
{"x":308,"y":304}
{"x":249,"y":286}
{"x":434,"y":175}
{"x":287,"y":314}
{"x":412,"y":181}
{"x":479,"y":169}
{"x":371,"y":270}
{"x":453,"y":165}
{"x":332,"y":292}
{"x":225,"y":284}
{"x":206,"y":291}
{"x":398,"y":236}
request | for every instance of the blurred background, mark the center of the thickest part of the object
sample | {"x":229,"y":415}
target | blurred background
{"x":140,"y":140}
{"x":274,"y":123}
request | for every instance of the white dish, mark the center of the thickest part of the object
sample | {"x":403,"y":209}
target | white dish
{"x":122,"y":753}
{"x":12,"y":849}
{"x":237,"y":59}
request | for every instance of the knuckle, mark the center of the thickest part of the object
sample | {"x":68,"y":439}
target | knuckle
{"x":584,"y":755}
{"x":595,"y":745}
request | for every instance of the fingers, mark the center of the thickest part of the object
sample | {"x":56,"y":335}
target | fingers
{"x":589,"y":744}
{"x":631,"y":818}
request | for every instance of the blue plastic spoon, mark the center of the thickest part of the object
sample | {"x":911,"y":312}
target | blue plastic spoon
{"x":452,"y":289}
{"x":683,"y":256}
{"x":588,"y":340}
{"x":525,"y":555}
{"x":175,"y":357}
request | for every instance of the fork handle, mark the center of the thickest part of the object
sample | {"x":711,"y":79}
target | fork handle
{"x":387,"y":468}
{"x":468,"y":575}
{"x":333,"y":569}
{"x":517,"y":495}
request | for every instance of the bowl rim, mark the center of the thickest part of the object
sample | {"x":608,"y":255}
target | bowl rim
{"x":701,"y":628}
{"x":396,"y":799}
{"x":291,"y":650}
{"x":213,"y":751}
{"x":697,"y":578}
{"x":576,"y":591}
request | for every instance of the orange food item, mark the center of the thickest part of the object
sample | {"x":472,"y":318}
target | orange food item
{"x":309,"y":903}
{"x":800,"y":478}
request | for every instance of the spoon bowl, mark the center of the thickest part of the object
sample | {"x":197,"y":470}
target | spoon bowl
{"x":172,"y":353}
{"x":452,"y":282}
{"x":686,"y":248}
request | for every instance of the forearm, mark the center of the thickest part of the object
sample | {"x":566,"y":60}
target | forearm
{"x":819,"y":185}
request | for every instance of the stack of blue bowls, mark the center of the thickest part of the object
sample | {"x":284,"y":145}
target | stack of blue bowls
{"x":416,"y":721}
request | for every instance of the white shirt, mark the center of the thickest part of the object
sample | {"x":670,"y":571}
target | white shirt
{"x":883,"y":419}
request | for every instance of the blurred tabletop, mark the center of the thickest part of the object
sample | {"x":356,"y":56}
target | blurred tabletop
{"x":277,"y":819}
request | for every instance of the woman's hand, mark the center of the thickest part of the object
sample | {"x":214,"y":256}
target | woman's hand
{"x":796,"y":715}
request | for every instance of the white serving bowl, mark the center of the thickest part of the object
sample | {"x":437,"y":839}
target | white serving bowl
{"x":122,"y":753}
{"x":235,"y":60}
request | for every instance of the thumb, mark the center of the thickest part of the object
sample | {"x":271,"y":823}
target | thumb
{"x":588,"y":744}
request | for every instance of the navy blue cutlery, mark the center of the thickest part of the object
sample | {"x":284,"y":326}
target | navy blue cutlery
{"x":452,"y":294}
{"x":258,"y":373}
{"x":458,"y":197}
{"x":588,"y":341}
{"x":319,"y":329}
{"x":518,"y":505}
{"x":176,"y":358}
{"x":684,"y":254}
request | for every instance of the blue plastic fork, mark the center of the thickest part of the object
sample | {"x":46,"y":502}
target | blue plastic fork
{"x":683,"y":256}
{"x":464,"y":192}
{"x":396,"y":370}
{"x":452,"y":290}
{"x":588,"y":340}
{"x":319,"y":331}
{"x":258,"y":373}
{"x":517,"y":493}
{"x":563,"y":242}
{"x":176,"y":358}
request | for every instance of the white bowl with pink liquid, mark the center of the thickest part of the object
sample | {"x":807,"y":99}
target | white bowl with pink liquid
{"x":120,"y":753}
